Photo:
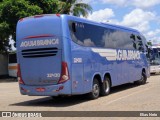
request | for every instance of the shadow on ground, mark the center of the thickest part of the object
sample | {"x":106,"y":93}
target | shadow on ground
{"x":6,"y":78}
{"x":155,"y":74}
{"x":68,"y":101}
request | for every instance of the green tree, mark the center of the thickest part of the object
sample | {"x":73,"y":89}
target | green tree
{"x":75,"y":7}
{"x":4,"y":28}
{"x":149,"y":43}
{"x":10,"y":12}
{"x":48,"y":6}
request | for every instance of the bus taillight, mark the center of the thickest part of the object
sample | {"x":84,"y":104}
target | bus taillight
{"x":19,"y":75}
{"x":58,"y":15}
{"x":21,"y":19}
{"x":64,"y":73}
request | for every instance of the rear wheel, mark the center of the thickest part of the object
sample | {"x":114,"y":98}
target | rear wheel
{"x":94,"y":94}
{"x":143,"y":79}
{"x":106,"y":86}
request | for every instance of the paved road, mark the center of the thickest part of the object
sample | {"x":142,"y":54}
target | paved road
{"x":127,"y":97}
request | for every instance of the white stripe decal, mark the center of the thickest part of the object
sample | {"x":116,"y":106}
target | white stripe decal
{"x":109,"y":54}
{"x":113,"y":54}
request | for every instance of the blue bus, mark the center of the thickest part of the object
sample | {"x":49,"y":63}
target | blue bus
{"x":67,"y":55}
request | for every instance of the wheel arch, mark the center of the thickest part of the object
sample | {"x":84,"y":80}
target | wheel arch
{"x":144,"y":70}
{"x":107,"y":74}
{"x":102,"y":78}
{"x":99,"y":78}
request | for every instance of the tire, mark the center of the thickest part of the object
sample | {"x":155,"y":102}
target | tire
{"x":153,"y":73}
{"x":105,"y":87}
{"x":94,"y":94}
{"x":143,"y":79}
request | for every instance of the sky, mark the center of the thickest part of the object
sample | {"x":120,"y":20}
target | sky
{"x":143,"y":15}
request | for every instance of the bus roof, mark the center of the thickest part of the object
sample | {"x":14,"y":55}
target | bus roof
{"x":102,"y":24}
{"x":64,"y":16}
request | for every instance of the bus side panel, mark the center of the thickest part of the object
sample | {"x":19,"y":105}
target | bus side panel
{"x":88,"y":76}
{"x":146,"y":65}
{"x":91,"y":69}
{"x":103,"y":58}
{"x":139,"y":65}
{"x":115,"y":68}
{"x":77,"y":61}
{"x":128,"y":71}
{"x":138,"y":68}
{"x":77,"y":79}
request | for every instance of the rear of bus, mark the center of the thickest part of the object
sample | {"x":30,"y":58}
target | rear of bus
{"x":42,"y":69}
{"x":155,"y":60}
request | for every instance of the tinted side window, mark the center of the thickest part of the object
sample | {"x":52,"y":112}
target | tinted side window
{"x":86,"y":34}
{"x":139,"y":44}
{"x":96,"y":36}
{"x":124,"y":40}
{"x":133,"y":39}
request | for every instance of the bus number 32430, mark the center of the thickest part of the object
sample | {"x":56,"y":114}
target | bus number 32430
{"x":50,"y":75}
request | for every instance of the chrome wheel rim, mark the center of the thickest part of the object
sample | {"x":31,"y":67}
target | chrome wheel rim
{"x":96,"y":90}
{"x":106,"y":83}
{"x":142,"y":78}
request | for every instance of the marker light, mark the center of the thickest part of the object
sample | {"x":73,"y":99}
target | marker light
{"x":19,"y":75}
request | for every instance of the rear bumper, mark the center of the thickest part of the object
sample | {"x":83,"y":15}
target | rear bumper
{"x":47,"y":90}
